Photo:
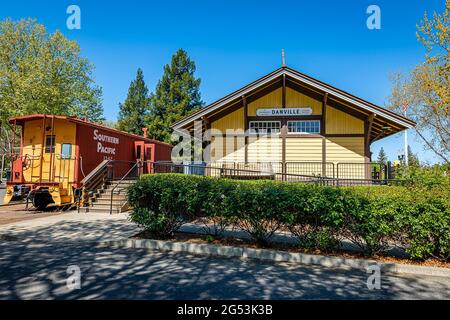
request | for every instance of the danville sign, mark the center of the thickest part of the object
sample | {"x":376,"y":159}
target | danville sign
{"x":284,"y":112}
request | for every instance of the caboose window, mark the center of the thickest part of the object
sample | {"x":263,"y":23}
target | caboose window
{"x":49,"y":144}
{"x":66,"y":151}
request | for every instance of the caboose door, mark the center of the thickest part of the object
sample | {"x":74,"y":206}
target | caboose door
{"x":149,"y":168}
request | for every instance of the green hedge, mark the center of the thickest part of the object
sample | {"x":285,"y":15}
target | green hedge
{"x":318,"y":216}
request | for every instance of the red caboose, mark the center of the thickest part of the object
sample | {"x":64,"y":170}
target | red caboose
{"x":60,"y":154}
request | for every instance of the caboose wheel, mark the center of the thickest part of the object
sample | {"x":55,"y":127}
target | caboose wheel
{"x":41,"y":200}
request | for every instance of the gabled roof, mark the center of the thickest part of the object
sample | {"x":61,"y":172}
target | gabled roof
{"x":343,"y":97}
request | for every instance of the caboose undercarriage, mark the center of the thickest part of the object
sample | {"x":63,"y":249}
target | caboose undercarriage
{"x":40,"y":195}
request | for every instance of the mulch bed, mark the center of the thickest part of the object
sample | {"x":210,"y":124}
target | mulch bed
{"x":204,"y":239}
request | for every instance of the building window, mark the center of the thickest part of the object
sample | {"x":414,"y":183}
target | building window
{"x":66,"y":151}
{"x":265,"y":127}
{"x":49,"y":144}
{"x":308,"y":126}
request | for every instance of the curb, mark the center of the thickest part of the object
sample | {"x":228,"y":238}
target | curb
{"x":274,"y":255}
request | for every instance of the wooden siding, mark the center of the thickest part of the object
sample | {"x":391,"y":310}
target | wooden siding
{"x":264,"y":149}
{"x":271,"y":100}
{"x":339,"y":122}
{"x":231,"y":149}
{"x":303,"y":149}
{"x":345,"y":149}
{"x":295,"y":99}
{"x":233,"y":120}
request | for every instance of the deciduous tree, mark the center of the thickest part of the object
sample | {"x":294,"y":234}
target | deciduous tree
{"x":44,"y":73}
{"x":426,"y":90}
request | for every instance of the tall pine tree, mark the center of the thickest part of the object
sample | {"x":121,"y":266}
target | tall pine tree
{"x":177,"y":94}
{"x":136,"y":107}
{"x":382,"y":157}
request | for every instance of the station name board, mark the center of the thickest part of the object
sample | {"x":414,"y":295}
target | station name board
{"x":284,"y":112}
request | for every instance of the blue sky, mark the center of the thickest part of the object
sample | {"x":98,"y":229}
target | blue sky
{"x":236,"y":42}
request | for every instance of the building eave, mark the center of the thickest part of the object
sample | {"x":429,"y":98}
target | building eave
{"x":321,"y":86}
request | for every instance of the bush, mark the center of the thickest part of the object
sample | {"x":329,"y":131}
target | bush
{"x":371,"y":217}
{"x":257,"y":207}
{"x":428,"y":177}
{"x":162,"y":203}
{"x":213,"y":197}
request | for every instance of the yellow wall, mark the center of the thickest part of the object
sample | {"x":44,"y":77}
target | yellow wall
{"x":270,"y":101}
{"x":265,"y":149}
{"x":345,"y":149}
{"x":295,"y":99}
{"x":303,"y":149}
{"x":233,"y":120}
{"x":231,"y":149}
{"x":65,"y":132}
{"x":339,"y":122}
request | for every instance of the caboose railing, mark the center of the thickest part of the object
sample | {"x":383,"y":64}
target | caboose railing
{"x":95,"y":180}
{"x":104,"y":174}
{"x":133,"y":173}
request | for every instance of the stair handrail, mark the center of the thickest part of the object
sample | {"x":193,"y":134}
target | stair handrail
{"x":94,"y":179}
{"x":117,"y":184}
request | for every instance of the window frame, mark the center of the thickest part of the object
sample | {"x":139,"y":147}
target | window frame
{"x":250,"y":129}
{"x":65,"y":156}
{"x":304,"y":132}
{"x":50,"y":148}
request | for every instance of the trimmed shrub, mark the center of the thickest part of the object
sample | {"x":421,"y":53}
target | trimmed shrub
{"x":213,"y":196}
{"x":319,"y":216}
{"x":162,"y":203}
{"x":313,"y":215}
{"x":257,"y":207}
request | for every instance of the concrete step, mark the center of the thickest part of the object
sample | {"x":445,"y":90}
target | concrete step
{"x":108,"y":197}
{"x":100,"y":210}
{"x":104,"y":201}
{"x":113,"y":182}
{"x":104,"y":207}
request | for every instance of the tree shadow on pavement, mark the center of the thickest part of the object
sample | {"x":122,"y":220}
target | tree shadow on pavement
{"x":34,"y":266}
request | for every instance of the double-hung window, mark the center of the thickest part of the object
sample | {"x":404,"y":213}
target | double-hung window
{"x":265,"y":127}
{"x":304,"y":126}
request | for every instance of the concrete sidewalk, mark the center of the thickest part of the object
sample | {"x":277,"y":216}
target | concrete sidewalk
{"x":74,"y":226}
{"x":71,"y":226}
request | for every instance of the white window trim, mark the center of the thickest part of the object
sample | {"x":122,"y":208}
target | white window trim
{"x":306,"y":133}
{"x":264,"y":121}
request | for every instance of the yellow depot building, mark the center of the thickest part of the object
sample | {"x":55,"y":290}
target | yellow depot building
{"x":296,"y":125}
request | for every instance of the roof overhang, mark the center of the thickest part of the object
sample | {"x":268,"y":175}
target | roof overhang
{"x":21,"y":120}
{"x":378,"y":112}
